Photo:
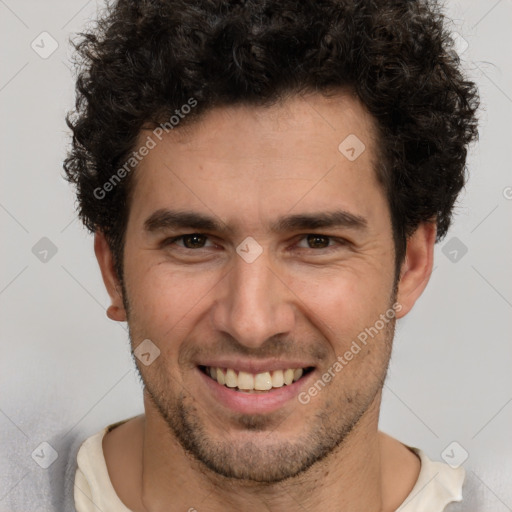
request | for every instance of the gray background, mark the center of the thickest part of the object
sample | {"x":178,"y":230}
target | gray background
{"x":65,"y":367}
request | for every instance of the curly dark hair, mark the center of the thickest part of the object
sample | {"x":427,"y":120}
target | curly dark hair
{"x":143,"y":59}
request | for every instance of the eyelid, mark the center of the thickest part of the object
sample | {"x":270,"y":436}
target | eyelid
{"x":336,"y":242}
{"x":173,"y":239}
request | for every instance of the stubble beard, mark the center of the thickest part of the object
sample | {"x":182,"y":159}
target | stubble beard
{"x":266,"y":462}
{"x":271,"y":458}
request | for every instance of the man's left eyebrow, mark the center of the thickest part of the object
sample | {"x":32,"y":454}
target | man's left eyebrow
{"x":321,"y":220}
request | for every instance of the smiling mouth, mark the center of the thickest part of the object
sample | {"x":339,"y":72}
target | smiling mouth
{"x":255,"y":382}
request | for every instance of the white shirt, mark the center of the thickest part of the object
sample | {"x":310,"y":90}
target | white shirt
{"x":438,"y":484}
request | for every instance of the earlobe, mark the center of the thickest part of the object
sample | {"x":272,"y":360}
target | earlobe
{"x":417,"y":266}
{"x":116,"y":310}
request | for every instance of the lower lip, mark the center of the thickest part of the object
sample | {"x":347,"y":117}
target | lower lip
{"x":254,"y":403}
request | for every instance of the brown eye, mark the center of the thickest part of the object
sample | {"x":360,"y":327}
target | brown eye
{"x":194,"y":241}
{"x":318,"y":241}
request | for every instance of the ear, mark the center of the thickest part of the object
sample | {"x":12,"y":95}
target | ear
{"x":105,"y":259}
{"x":417,"y":266}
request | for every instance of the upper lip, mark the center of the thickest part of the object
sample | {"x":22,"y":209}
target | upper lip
{"x":255,"y":366}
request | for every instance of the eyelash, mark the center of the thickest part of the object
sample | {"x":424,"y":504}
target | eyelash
{"x":339,"y":241}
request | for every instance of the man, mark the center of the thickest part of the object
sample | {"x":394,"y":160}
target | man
{"x":266,"y":182}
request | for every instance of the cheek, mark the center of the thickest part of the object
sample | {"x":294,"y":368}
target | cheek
{"x":165,"y":301}
{"x":344,"y":300}
{"x":342,"y":292}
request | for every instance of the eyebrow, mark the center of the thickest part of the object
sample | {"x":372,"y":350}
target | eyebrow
{"x":165,"y":219}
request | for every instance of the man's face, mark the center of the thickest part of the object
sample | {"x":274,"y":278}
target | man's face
{"x":294,"y":295}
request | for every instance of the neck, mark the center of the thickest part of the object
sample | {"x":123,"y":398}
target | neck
{"x":349,"y":478}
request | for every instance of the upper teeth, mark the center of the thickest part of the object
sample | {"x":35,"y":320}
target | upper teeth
{"x":249,"y":381}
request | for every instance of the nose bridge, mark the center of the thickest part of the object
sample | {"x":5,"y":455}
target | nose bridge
{"x":255,"y":303}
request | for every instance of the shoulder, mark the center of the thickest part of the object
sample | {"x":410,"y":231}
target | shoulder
{"x":442,"y":488}
{"x":104,"y":464}
{"x":478,"y":496}
{"x":438,"y":485}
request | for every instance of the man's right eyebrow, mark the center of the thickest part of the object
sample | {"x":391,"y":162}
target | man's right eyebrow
{"x":165,"y":219}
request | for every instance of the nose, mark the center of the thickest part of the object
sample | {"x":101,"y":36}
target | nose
{"x":254,"y":303}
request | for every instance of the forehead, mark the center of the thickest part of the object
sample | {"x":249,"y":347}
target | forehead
{"x":306,"y":152}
